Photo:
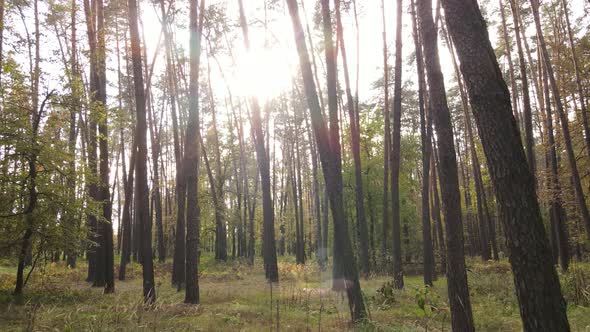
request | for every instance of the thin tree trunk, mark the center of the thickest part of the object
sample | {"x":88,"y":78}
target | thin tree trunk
{"x":268,"y":237}
{"x":580,"y":198}
{"x":328,"y":141}
{"x":395,"y":154}
{"x":579,"y":86}
{"x":356,"y":151}
{"x":461,"y":315}
{"x":387,"y":140}
{"x":559,"y":228}
{"x":141,"y":189}
{"x":191,"y":157}
{"x":425,"y":134}
{"x":526,"y":100}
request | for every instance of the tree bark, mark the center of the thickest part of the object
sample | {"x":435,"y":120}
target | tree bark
{"x":191,"y":157}
{"x":387,"y":140}
{"x":425,"y":134}
{"x":328,"y":141}
{"x":537,"y":287}
{"x":458,"y":289}
{"x":356,"y":152}
{"x":395,"y":154}
{"x":268,"y":231}
{"x":141,"y":189}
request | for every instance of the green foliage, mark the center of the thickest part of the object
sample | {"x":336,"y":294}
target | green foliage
{"x":575,"y":284}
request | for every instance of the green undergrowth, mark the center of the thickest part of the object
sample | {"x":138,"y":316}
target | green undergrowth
{"x":236,"y":297}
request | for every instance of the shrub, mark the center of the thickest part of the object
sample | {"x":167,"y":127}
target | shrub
{"x":575,"y":284}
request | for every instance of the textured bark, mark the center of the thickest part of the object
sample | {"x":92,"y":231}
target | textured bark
{"x":141,"y":189}
{"x":458,"y":289}
{"x":395,"y":154}
{"x":268,"y":231}
{"x":425,"y":134}
{"x":356,"y":151}
{"x":581,"y":201}
{"x":537,"y":287}
{"x":191,"y":157}
{"x":328,"y":141}
{"x":488,"y":234}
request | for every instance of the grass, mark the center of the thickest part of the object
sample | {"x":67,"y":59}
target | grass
{"x":235,"y":297}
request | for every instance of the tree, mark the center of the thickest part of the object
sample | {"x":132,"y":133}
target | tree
{"x":387,"y":137}
{"x":537,"y":287}
{"x":567,"y":140}
{"x":356,"y":151}
{"x":268,"y":232}
{"x":425,"y":135}
{"x":394,"y":155}
{"x":345,"y":273}
{"x":141,"y":187}
{"x":191,"y":157}
{"x":461,"y":316}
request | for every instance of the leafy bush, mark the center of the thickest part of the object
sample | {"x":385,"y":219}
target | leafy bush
{"x":385,"y":295}
{"x":575,"y":284}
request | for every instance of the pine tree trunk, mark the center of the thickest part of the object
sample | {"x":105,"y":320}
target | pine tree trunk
{"x":395,"y":154}
{"x":268,"y":231}
{"x":461,"y":315}
{"x":328,"y":141}
{"x":356,"y":151}
{"x":425,"y":134}
{"x":141,"y":189}
{"x":579,"y":86}
{"x":387,"y":141}
{"x":191,"y":157}
{"x":537,"y":287}
{"x":581,"y":201}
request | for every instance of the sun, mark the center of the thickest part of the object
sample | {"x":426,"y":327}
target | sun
{"x":264,"y":73}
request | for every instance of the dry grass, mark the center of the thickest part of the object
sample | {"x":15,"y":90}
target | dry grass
{"x":236,"y":297}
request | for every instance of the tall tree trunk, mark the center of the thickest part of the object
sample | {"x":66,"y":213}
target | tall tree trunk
{"x":425,"y":134}
{"x":268,"y":231}
{"x":92,"y":140}
{"x":508,"y":53}
{"x":395,"y":154}
{"x":127,"y":212}
{"x":461,"y":315}
{"x":387,"y":140}
{"x":558,"y":227}
{"x":526,"y":100}
{"x":537,"y":287}
{"x":75,"y":90}
{"x":178,"y":273}
{"x":579,"y":86}
{"x":191,"y":157}
{"x":141,"y":189}
{"x":582,"y":207}
{"x":345,"y":273}
{"x":356,"y":151}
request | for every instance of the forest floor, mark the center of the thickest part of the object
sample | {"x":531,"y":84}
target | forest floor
{"x":235,"y":297}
